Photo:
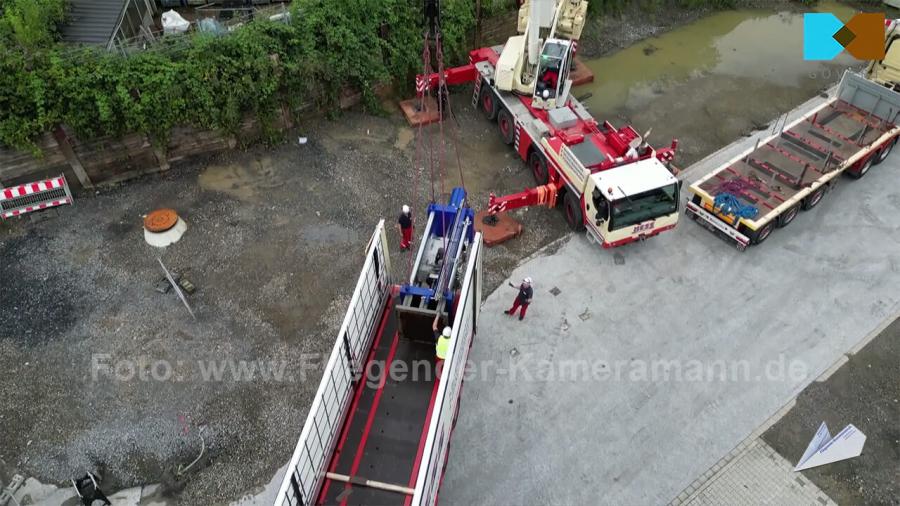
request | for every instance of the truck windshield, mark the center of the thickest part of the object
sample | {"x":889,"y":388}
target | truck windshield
{"x":644,"y":206}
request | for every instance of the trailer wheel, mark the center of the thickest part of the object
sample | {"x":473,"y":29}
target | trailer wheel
{"x":788,"y":216}
{"x":574,"y":216}
{"x":507,"y":126}
{"x":488,"y":102}
{"x":863,"y":169}
{"x":762,"y":234}
{"x":538,"y":168}
{"x":814,"y":199}
{"x":885,"y":151}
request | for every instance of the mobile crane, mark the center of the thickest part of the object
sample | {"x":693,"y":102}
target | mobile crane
{"x":612,"y":183}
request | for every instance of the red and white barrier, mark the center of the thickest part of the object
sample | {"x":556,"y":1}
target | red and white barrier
{"x":36,"y":196}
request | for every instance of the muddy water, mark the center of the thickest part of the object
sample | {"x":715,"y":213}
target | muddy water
{"x":713,"y":80}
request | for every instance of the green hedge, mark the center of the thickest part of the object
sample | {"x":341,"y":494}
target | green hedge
{"x":211,"y":82}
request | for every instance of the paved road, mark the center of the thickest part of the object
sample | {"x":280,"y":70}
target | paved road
{"x":803,"y":298}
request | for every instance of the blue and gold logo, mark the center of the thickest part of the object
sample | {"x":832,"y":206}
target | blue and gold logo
{"x":825,"y":36}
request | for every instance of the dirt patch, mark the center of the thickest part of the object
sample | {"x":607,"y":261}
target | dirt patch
{"x":864,"y":392}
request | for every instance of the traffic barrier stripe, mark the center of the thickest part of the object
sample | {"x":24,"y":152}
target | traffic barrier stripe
{"x":28,"y":189}
{"x":35,"y":196}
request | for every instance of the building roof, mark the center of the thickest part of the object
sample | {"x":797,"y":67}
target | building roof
{"x":92,"y":21}
{"x":633,"y":178}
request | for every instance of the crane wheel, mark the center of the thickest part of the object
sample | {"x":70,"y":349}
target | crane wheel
{"x":507,"y":126}
{"x":572,"y":208}
{"x":538,"y":167}
{"x":488,"y":102}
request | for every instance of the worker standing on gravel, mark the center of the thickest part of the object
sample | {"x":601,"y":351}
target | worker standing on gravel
{"x":442,"y":344}
{"x":522,"y":299}
{"x":404,"y":225}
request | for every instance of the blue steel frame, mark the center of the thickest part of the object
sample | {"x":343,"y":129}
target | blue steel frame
{"x":449,"y":223}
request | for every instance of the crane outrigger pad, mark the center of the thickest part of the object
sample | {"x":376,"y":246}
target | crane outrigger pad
{"x":416,"y":117}
{"x":496,"y":229}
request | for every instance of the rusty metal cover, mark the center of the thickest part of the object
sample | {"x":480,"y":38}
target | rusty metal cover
{"x":160,"y":220}
{"x":504,"y":229}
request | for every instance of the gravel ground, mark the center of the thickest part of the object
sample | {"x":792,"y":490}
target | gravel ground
{"x":866,"y":393}
{"x":264,"y":227}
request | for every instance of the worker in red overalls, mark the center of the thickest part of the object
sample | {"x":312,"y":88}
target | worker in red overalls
{"x":522,"y":299}
{"x":404,"y":225}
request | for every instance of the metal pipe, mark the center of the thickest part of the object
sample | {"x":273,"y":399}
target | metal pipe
{"x":755,"y":147}
{"x":452,"y":246}
{"x":380,"y":485}
{"x":465,"y":227}
{"x":827,"y":161}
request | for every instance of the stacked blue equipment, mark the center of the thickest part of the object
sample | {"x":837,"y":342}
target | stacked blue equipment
{"x":448,"y":232}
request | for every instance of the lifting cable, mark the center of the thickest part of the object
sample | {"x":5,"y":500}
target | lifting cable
{"x":418,"y":159}
{"x":443,"y":89}
{"x":442,"y":94}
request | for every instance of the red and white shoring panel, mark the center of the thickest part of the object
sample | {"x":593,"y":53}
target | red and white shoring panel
{"x":35,"y":196}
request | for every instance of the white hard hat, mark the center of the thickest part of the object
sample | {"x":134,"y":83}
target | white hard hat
{"x":527,"y":280}
{"x":447,"y":331}
{"x":546,"y":94}
{"x":405,"y":209}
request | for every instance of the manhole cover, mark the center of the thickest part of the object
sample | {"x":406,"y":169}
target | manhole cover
{"x":555,"y":291}
{"x":160,"y":220}
{"x":619,"y":259}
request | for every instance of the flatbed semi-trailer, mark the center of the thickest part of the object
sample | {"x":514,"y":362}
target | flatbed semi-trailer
{"x":765,"y":187}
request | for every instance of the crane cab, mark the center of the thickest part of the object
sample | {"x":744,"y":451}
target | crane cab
{"x":552,"y":85}
{"x":631,"y":202}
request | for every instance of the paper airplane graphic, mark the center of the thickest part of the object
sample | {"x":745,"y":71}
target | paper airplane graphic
{"x":824,"y":449}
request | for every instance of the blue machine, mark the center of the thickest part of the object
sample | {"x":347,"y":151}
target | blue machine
{"x":448,"y":233}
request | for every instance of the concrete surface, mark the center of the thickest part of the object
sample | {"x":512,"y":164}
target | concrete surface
{"x":784,"y":312}
{"x":759,"y":476}
{"x":864,"y":391}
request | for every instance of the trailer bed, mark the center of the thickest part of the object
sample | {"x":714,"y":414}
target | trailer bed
{"x":800,"y":156}
{"x":383,"y":435}
{"x":745,"y":198}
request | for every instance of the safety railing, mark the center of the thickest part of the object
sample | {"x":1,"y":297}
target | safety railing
{"x":306,"y":470}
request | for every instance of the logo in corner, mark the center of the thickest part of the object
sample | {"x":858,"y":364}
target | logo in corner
{"x":825,"y":36}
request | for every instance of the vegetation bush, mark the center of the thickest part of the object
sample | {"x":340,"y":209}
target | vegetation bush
{"x":212,"y":82}
{"x":205,"y":80}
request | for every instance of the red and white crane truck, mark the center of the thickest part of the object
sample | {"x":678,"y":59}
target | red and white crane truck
{"x":765,"y":187}
{"x":611,"y":181}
